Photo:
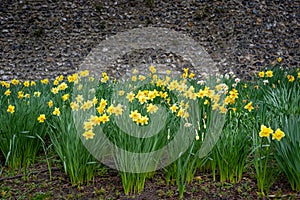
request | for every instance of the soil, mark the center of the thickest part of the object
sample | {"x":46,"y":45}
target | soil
{"x":41,"y":184}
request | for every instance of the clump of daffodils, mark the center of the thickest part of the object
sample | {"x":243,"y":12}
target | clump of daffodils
{"x":142,"y":102}
{"x":267,"y":131}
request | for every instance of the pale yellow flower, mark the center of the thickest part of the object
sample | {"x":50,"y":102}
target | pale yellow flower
{"x":121,"y":92}
{"x":79,"y":98}
{"x":50,"y":103}
{"x":130,"y":96}
{"x":88,"y":134}
{"x":54,"y":90}
{"x":74,"y":106}
{"x":152,"y":108}
{"x":152,"y":69}
{"x":118,"y":110}
{"x":37,"y":94}
{"x":62,"y":86}
{"x":56,"y":111}
{"x":45,"y":81}
{"x":88,"y":125}
{"x":84,"y":73}
{"x":20,"y":94}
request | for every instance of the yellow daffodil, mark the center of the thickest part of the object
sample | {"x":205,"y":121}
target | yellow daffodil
{"x":111,"y":109}
{"x":15,"y":82}
{"x":88,"y":125}
{"x":37,"y":94}
{"x":41,"y":118}
{"x":103,"y":103}
{"x":141,"y":77}
{"x":249,"y":107}
{"x":269,"y":73}
{"x":173,"y":85}
{"x":56,"y":111}
{"x":32,"y":83}
{"x":223,"y":109}
{"x":291,"y":78}
{"x":20,"y":94}
{"x":135,"y":71}
{"x":62,"y":86}
{"x":130,"y":96}
{"x":84,"y":73}
{"x":152,"y":69}
{"x":74,"y":106}
{"x":65,"y":97}
{"x":95,"y":100}
{"x":104,"y":79}
{"x":95,"y":120}
{"x":142,"y":120}
{"x":7,"y":92}
{"x":87,"y":105}
{"x":152,"y":108}
{"x":54,"y":90}
{"x":192,"y":75}
{"x":278,"y":135}
{"x":11,"y":109}
{"x":88,"y":134}
{"x":50,"y":103}
{"x":79,"y":98}
{"x":45,"y":81}
{"x":135,"y":115}
{"x":118,"y":110}
{"x":121,"y":92}
{"x":173,"y":108}
{"x":261,"y":74}
{"x":55,"y":82}
{"x":104,"y":118}
{"x":133,"y":78}
{"x":265,"y":131}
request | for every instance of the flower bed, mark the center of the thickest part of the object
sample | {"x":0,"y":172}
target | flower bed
{"x":247,"y":123}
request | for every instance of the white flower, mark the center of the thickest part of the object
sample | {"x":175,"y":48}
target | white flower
{"x":265,"y":82}
{"x":201,"y":82}
{"x":227,"y":76}
{"x":237,"y":80}
{"x":187,"y":124}
{"x":234,"y":85}
{"x":224,"y":86}
{"x":92,"y":90}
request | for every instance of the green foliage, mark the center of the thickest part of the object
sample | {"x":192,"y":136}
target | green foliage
{"x":77,"y":161}
{"x":21,"y":134}
{"x":272,"y":100}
